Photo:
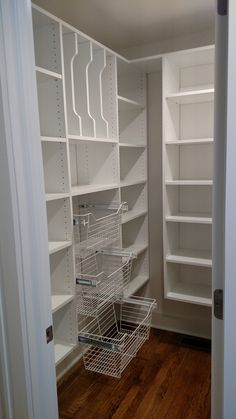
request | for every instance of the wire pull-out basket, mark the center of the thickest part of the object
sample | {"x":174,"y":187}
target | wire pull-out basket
{"x":101,"y":277}
{"x":97,"y":226}
{"x":112,"y":339}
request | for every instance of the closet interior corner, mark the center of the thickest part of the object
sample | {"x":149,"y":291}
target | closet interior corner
{"x":97,"y":113}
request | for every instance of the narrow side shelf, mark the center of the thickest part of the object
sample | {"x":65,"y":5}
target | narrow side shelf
{"x":132,"y":145}
{"x":43,"y":74}
{"x":61,"y":351}
{"x":123,"y":184}
{"x":54,"y":247}
{"x":190,"y":257}
{"x":125,"y":104}
{"x":74,"y":139}
{"x":191,"y":293}
{"x":53,"y":139}
{"x":189,"y":182}
{"x":136,"y":283}
{"x":86,"y":189}
{"x":59,"y":301}
{"x":190,"y":141}
{"x":131,"y":215}
{"x":136,"y":248}
{"x":192,"y":96}
{"x":55,"y":196}
{"x":190,"y":218}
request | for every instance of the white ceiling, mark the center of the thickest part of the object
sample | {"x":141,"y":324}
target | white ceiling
{"x":121,"y":24}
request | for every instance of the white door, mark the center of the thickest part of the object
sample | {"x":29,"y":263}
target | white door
{"x":27,"y":366}
{"x":224,"y":234}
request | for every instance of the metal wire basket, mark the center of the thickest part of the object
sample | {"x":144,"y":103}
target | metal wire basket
{"x":101,"y":277}
{"x":112,"y":339}
{"x":97,"y":226}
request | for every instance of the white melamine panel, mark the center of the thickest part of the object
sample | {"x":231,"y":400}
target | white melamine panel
{"x":50,"y":97}
{"x":196,"y":121}
{"x":133,"y":164}
{"x":59,"y":220}
{"x":139,"y":275}
{"x":187,"y":236}
{"x":55,"y":164}
{"x":62,"y":275}
{"x":131,"y":82}
{"x":94,"y":164}
{"x":46,"y":42}
{"x":136,"y":198}
{"x":135,"y":234}
{"x":189,"y":284}
{"x":95,"y":71}
{"x":109,"y":95}
{"x":65,"y":331}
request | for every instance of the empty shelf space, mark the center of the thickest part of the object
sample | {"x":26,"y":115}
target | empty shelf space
{"x":59,"y":301}
{"x":124,"y":184}
{"x":43,"y":74}
{"x":136,"y":283}
{"x":190,"y":257}
{"x":74,"y":139}
{"x":132,"y":145}
{"x":190,"y":218}
{"x":191,"y":293}
{"x":131,"y":215}
{"x":192,"y":96}
{"x":125,"y":104}
{"x":85,"y":189}
{"x":54,"y":196}
{"x":191,"y":141}
{"x":189,"y":182}
{"x":53,"y":139}
{"x":61,"y":351}
{"x":54,"y":247}
{"x":135,"y":248}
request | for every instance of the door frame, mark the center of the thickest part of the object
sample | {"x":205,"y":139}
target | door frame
{"x":27,"y":365}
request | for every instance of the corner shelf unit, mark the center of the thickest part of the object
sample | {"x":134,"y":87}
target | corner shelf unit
{"x":188,"y":98}
{"x":92,"y":111}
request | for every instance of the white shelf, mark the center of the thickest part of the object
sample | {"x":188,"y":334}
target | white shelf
{"x":123,"y":184}
{"x":59,"y":301}
{"x":54,"y":247}
{"x":85,"y":189}
{"x":132,"y":145}
{"x":190,"y":218}
{"x":53,"y":139}
{"x":62,"y":351}
{"x":189,"y":182}
{"x":191,"y":141}
{"x":192,"y":96}
{"x":190,"y":257}
{"x":55,"y":196}
{"x":125,"y":104}
{"x":191,"y":293}
{"x":131,"y":215}
{"x":74,"y":139}
{"x":43,"y":74}
{"x":135,"y":284}
{"x":136,"y":248}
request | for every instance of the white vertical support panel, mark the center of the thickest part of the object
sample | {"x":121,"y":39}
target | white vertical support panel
{"x":95,"y":72}
{"x":25,"y":300}
{"x":109,"y":95}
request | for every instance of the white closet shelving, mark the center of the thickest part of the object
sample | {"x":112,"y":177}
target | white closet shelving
{"x":188,"y":95}
{"x":92,"y":108}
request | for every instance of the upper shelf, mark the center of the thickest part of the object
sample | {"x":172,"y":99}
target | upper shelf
{"x":125,"y":104}
{"x":189,"y":182}
{"x":192,"y":96}
{"x":190,"y":141}
{"x":43,"y":74}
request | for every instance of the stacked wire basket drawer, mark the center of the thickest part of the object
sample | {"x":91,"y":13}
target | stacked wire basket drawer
{"x":111,"y":328}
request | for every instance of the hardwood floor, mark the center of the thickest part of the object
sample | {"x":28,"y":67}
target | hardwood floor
{"x":165,"y":381}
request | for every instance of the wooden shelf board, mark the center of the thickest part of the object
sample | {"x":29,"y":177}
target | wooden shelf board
{"x":126,"y":183}
{"x":191,"y":293}
{"x":190,"y":257}
{"x":74,"y":139}
{"x":86,"y":189}
{"x":43,"y":74}
{"x":61,"y":351}
{"x":189,"y":182}
{"x":135,"y":284}
{"x":55,"y":196}
{"x":190,"y":218}
{"x":53,"y":139}
{"x":131,"y":215}
{"x":191,"y":141}
{"x":192,"y":96}
{"x":130,"y":145}
{"x":59,"y":301}
{"x":135,"y":248}
{"x":126,"y":104}
{"x":54,"y":247}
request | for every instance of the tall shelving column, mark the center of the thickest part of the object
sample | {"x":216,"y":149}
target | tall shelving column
{"x":133,"y":168}
{"x":188,"y":95}
{"x":48,"y":57}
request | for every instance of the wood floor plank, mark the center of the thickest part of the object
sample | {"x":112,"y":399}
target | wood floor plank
{"x":164,"y":381}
